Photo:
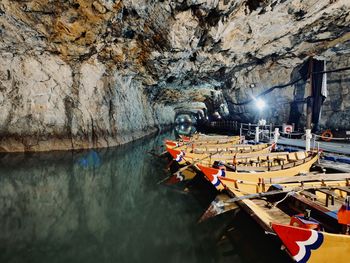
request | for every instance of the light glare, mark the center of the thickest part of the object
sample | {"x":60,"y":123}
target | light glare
{"x":260,"y":104}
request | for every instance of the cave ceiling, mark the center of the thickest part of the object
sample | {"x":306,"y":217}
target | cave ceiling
{"x":178,"y":47}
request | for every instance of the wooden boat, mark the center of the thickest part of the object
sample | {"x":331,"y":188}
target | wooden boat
{"x":223,"y":203}
{"x":208,"y":148}
{"x":188,"y":172}
{"x":208,"y":154}
{"x":308,"y":245}
{"x":204,"y":146}
{"x":200,"y":139}
{"x":205,"y":137}
{"x":253,"y":172}
{"x":313,"y":234}
{"x":241,"y":155}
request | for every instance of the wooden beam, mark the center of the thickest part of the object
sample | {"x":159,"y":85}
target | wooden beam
{"x":248,"y":156}
{"x":306,"y":178}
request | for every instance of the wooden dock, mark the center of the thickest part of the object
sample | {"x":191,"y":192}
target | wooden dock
{"x":331,"y":147}
{"x":337,"y":166}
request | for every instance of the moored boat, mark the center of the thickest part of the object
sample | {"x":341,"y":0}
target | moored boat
{"x":208,"y":153}
{"x":252,"y":175}
{"x":308,"y":245}
{"x":202,"y":139}
{"x":205,"y":137}
{"x":307,"y":224}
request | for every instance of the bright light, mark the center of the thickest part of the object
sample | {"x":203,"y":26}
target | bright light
{"x":260,"y":104}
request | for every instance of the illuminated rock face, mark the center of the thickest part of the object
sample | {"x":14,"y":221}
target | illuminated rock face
{"x":81,"y":74}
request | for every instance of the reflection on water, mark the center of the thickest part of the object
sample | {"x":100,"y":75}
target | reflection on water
{"x":106,"y":206}
{"x":185,"y":129}
{"x":97,"y":206}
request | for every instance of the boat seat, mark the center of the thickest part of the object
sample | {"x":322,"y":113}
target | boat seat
{"x":343,"y":189}
{"x":254,"y":162}
{"x":280,"y":159}
{"x":309,"y":195}
{"x":222,"y":149}
{"x":212,"y":150}
{"x":330,"y":195}
{"x":301,"y":155}
{"x":292,"y":157}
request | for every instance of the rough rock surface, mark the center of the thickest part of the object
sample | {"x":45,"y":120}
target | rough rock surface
{"x":95,"y":73}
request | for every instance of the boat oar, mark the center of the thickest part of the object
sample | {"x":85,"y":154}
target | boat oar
{"x":223,"y":205}
{"x":218,"y":207}
{"x":195,"y":162}
{"x":184,"y":144}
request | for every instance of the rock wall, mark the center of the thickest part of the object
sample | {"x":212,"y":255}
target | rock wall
{"x":96,"y":73}
{"x":336,"y":110}
{"x":252,"y":81}
{"x":49,"y":104}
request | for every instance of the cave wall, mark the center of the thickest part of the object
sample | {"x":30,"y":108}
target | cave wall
{"x":336,"y":110}
{"x":49,"y":104}
{"x":252,"y":81}
{"x":95,"y":73}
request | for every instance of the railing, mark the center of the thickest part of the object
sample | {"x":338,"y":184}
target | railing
{"x":225,"y":125}
{"x":245,"y":129}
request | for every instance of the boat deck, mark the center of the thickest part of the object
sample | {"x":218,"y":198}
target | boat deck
{"x":315,"y":200}
{"x":275,"y":213}
{"x":341,"y":167}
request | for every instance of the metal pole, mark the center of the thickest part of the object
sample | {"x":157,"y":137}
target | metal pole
{"x":270,"y":131}
{"x":257,"y":134}
{"x":276,"y":135}
{"x":309,"y":97}
{"x":314,"y":141}
{"x":308,"y":137}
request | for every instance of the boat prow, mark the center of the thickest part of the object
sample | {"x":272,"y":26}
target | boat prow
{"x":307,"y":245}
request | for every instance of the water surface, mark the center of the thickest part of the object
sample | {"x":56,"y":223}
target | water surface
{"x":102,"y":206}
{"x":96,"y":206}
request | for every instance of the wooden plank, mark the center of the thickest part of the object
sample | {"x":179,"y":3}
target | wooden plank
{"x":250,"y":156}
{"x":251,"y":168}
{"x":341,"y":167}
{"x":306,"y":178}
{"x":326,"y":192}
{"x":329,"y":194}
{"x":344,"y":189}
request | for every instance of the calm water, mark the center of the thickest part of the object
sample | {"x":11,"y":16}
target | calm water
{"x":101,"y":206}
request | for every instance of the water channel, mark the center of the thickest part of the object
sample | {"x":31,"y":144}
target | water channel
{"x":102,"y":206}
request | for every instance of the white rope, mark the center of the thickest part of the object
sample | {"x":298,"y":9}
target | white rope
{"x":284,"y":198}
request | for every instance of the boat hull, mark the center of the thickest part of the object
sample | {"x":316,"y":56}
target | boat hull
{"x":311,"y":246}
{"x":252,"y":182}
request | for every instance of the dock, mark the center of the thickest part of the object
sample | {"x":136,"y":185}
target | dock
{"x":331,"y":147}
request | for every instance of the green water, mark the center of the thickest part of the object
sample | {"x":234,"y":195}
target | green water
{"x":96,"y":206}
{"x":102,"y":206}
